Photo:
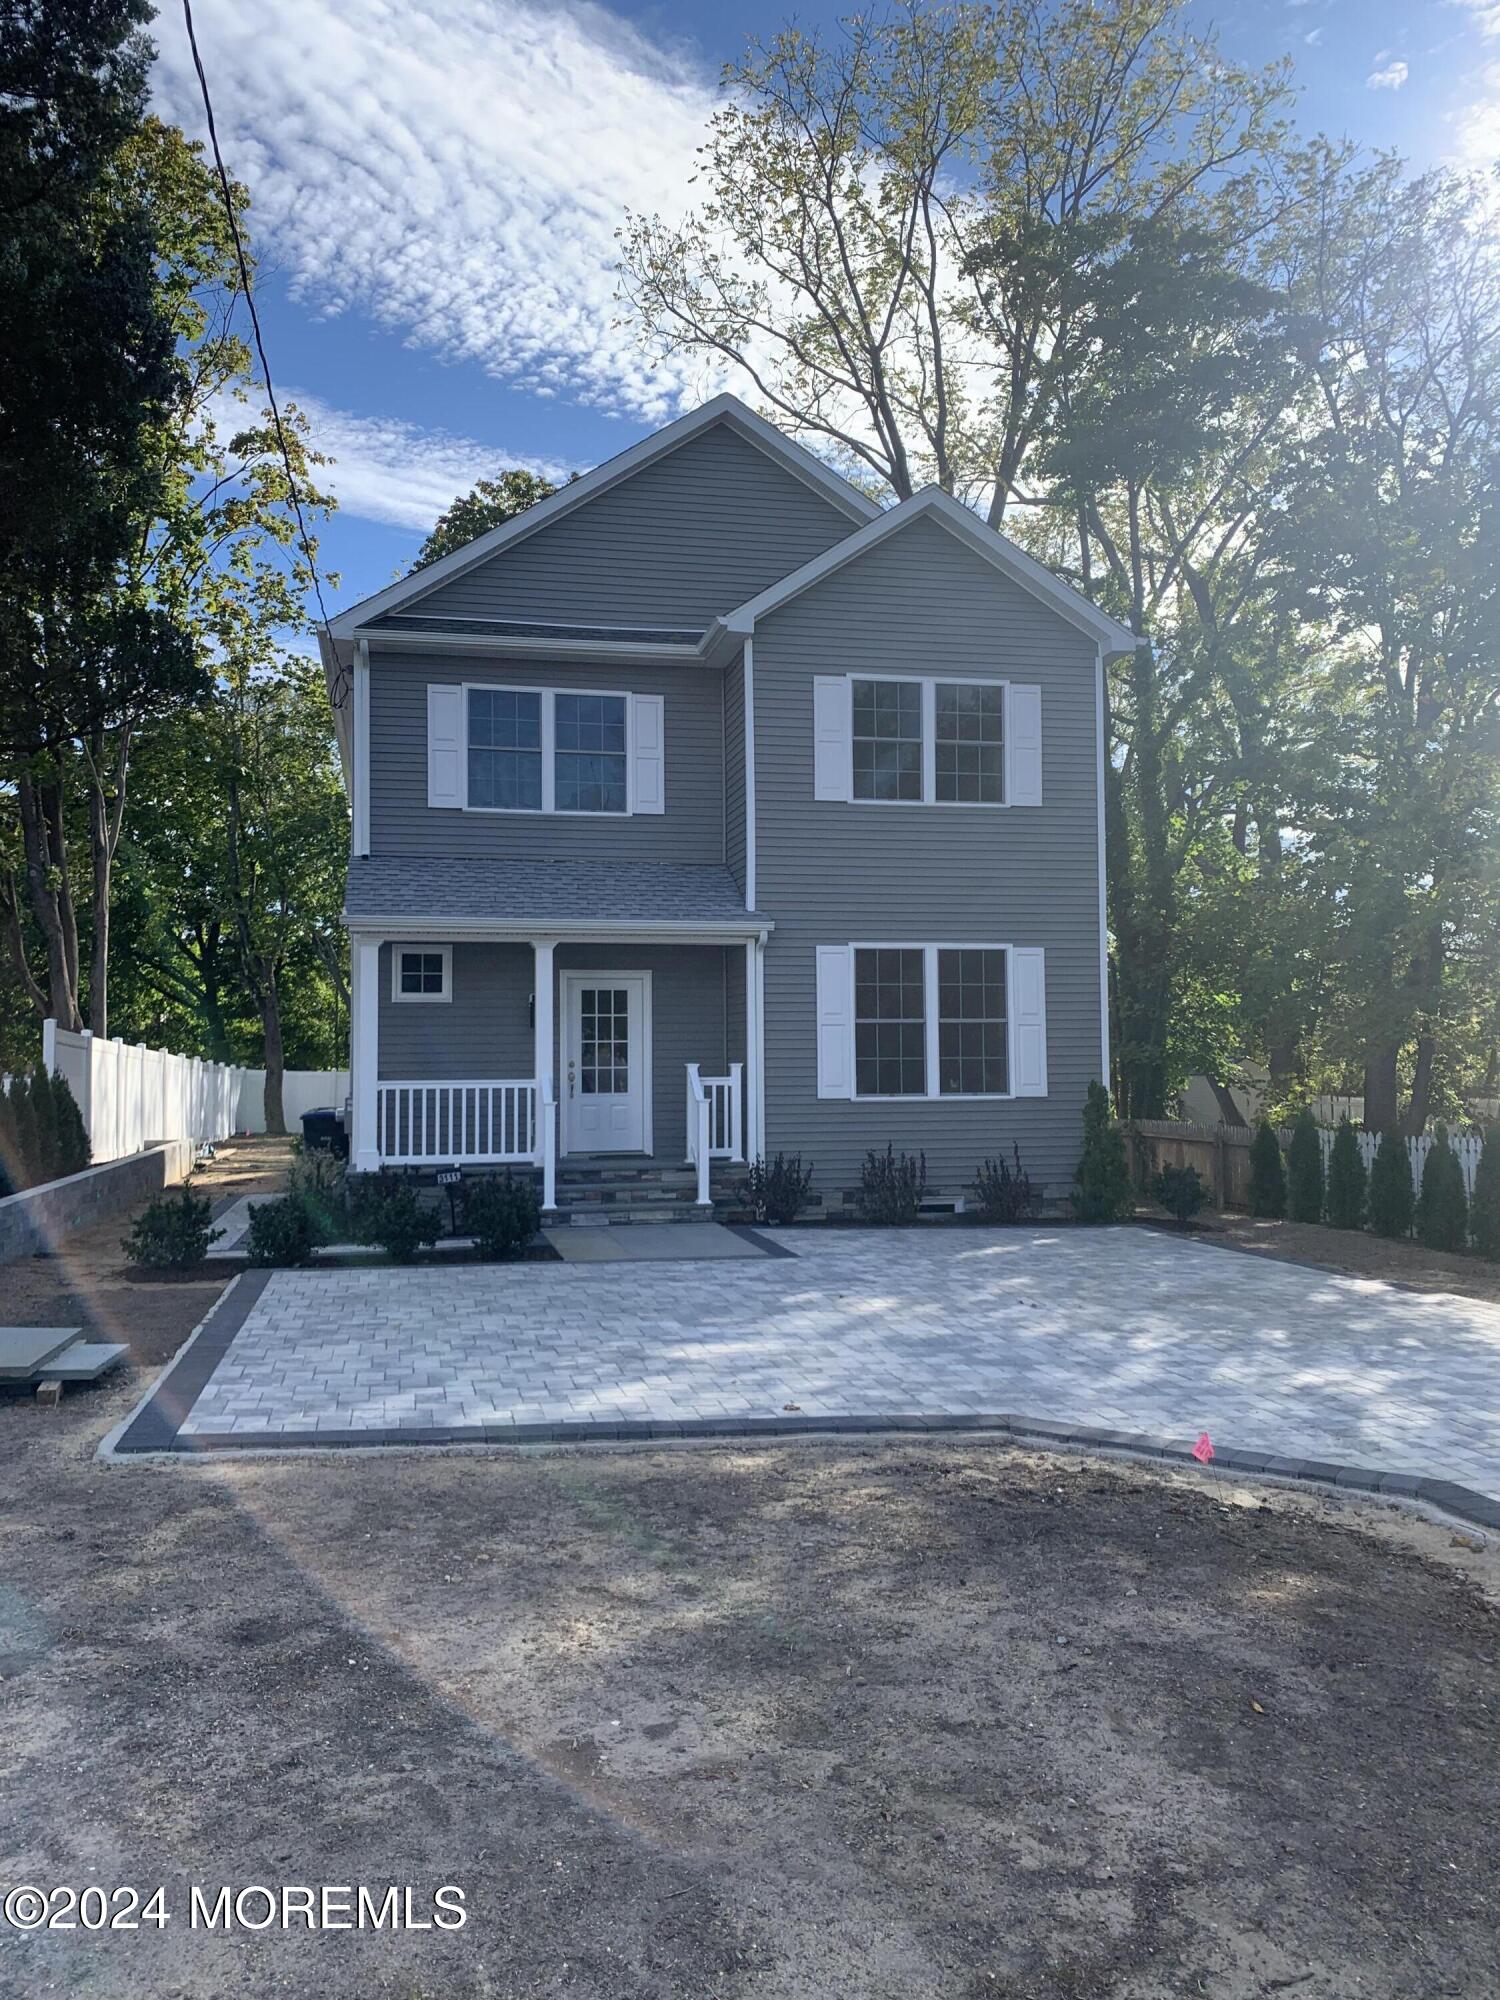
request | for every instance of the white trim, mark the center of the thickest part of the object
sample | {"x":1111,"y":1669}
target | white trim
{"x":364,"y":1053}
{"x":386,"y":639}
{"x":758,"y":1052}
{"x":931,"y":1014}
{"x":726,"y":409}
{"x":932,"y":503}
{"x":929,"y":685}
{"x":1102,"y":751}
{"x":522,"y":930}
{"x":359,"y":814}
{"x":567,"y":982}
{"x":418,"y":999}
{"x":547,"y":750}
{"x":748,"y":731}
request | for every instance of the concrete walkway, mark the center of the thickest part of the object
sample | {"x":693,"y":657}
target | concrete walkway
{"x":1123,"y":1330}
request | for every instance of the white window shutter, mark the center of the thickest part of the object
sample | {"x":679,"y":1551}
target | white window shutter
{"x":835,"y":1021}
{"x":832,"y":746}
{"x":648,"y":753}
{"x":1023,"y":745}
{"x":1028,"y":1022}
{"x":445,"y":745}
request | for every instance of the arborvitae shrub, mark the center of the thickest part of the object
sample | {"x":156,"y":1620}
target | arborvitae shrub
{"x":23,"y":1129}
{"x":44,"y":1111}
{"x":1267,"y":1173}
{"x":10,"y":1165}
{"x":72,"y":1135}
{"x":1304,"y":1162}
{"x":1391,"y":1201}
{"x":1102,"y":1190}
{"x":1180,"y":1192}
{"x":1484,"y":1211}
{"x":1347,"y":1179}
{"x":1443,"y":1204}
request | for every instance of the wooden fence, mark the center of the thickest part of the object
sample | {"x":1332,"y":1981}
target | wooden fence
{"x":1221,"y":1154}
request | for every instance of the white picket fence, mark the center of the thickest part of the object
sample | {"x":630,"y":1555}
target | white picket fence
{"x":1467,"y":1147}
{"x":132,"y":1096}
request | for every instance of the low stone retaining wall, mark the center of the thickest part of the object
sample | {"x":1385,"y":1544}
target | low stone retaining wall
{"x":40,"y":1218}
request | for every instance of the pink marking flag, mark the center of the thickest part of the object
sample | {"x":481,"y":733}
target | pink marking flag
{"x":1203,"y":1450}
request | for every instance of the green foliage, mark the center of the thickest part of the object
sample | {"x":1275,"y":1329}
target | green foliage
{"x":281,"y":1233}
{"x":1102,"y":1190}
{"x":1391,"y":1198}
{"x":73,"y":1152}
{"x":1002,"y":1192}
{"x":320,"y":1182}
{"x":48,"y":1154}
{"x":502,"y":1214}
{"x":1180,"y":1192}
{"x":1442,"y":1212}
{"x":1484,"y":1213}
{"x":21,"y":1125}
{"x":388,"y":1212}
{"x":1267,"y":1173}
{"x":1347,"y":1179}
{"x":172,"y":1233}
{"x":778,"y":1192}
{"x":42,"y":1137}
{"x":486,"y":505}
{"x":1304,"y":1161}
{"x":891,"y":1187}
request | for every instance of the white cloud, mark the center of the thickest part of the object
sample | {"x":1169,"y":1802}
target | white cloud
{"x":1390,"y":78}
{"x":455,"y":170}
{"x":384,"y":469}
{"x":1312,"y":40}
{"x":1486,"y":14}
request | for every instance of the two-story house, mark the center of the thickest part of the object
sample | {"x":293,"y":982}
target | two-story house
{"x":708,"y":810}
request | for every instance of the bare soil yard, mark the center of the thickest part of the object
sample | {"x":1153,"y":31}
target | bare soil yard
{"x":869,"y":1719}
{"x":1356,"y":1253}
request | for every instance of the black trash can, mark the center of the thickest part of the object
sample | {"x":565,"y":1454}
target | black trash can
{"x":323,"y":1132}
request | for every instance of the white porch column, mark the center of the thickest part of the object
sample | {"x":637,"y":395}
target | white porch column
{"x":544,"y":1035}
{"x":364,"y":1053}
{"x":754,"y":1110}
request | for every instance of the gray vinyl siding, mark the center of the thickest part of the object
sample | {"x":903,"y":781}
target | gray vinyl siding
{"x":686,"y":538}
{"x":734,"y":769}
{"x":402,"y":822}
{"x":485,"y":1030}
{"x":835,"y":874}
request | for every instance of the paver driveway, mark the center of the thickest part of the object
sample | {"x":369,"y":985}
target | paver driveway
{"x":1123,"y":1329}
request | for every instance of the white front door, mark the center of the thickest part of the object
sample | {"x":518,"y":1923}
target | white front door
{"x":606,"y":1091}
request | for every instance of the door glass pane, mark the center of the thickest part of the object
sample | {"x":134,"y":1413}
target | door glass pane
{"x":604,"y":1041}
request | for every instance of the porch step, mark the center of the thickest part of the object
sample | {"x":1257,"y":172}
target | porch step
{"x":616,"y":1192}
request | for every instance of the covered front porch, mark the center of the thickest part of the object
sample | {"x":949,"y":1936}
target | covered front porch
{"x":628,"y":1042}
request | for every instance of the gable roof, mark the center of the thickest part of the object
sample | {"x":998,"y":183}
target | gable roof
{"x":932,"y":503}
{"x":726,"y":409}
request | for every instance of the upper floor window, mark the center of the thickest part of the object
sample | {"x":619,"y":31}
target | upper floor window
{"x":589,"y":756}
{"x":917,"y":741}
{"x":545,"y":750}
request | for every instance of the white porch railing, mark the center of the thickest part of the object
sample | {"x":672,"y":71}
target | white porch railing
{"x":479,"y":1123}
{"x":714,"y":1120}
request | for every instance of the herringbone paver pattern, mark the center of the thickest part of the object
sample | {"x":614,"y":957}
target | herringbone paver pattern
{"x":1121,"y":1329}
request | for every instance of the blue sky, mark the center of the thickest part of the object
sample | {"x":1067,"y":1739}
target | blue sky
{"x":436,"y":184}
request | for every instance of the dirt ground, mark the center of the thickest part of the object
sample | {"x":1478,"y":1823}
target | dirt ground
{"x":1357,"y":1254}
{"x":854,"y":1719}
{"x":90,"y":1284}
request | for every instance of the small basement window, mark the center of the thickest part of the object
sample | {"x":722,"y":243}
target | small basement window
{"x":421,"y":972}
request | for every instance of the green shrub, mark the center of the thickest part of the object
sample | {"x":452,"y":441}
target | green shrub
{"x":1304,"y":1178}
{"x":172,"y":1233}
{"x":46,"y":1153}
{"x":320,"y":1181}
{"x":11,"y":1171}
{"x":891,"y":1187}
{"x":1484,"y":1212}
{"x":502,"y":1214}
{"x":778,"y":1192}
{"x":386,"y":1211}
{"x":1267,"y":1174}
{"x":72,"y":1135}
{"x":1347,"y":1179}
{"x":1391,"y":1202}
{"x":1003,"y":1193}
{"x":1442,"y":1214}
{"x":1102,"y":1190}
{"x":23,"y":1131}
{"x":280,"y":1234}
{"x":1180,"y":1192}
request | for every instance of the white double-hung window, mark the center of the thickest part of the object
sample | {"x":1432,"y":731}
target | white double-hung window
{"x":544,"y":750}
{"x":931,"y":1020}
{"x":886,"y":739}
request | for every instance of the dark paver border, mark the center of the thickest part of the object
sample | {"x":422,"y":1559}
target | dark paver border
{"x":158,"y":1429}
{"x":762,"y":1242}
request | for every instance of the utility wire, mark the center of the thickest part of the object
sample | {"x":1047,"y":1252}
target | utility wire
{"x":260,"y":345}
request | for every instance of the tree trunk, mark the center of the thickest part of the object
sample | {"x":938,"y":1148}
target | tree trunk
{"x":46,"y":882}
{"x":1145,"y":939}
{"x":1382,"y":1110}
{"x":268,"y":999}
{"x":99,"y":953}
{"x":1421,"y":1086}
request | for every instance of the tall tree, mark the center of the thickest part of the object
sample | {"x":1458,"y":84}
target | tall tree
{"x":486,"y":505}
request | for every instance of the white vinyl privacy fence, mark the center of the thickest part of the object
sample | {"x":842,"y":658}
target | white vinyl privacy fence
{"x":1468,"y":1148}
{"x":132,"y":1096}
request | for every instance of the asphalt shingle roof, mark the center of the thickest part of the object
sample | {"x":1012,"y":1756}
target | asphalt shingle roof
{"x":424,"y":888}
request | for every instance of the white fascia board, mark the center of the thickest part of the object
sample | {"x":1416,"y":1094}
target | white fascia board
{"x":612,"y":931}
{"x":385,"y":640}
{"x":797,"y":460}
{"x":932,"y":503}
